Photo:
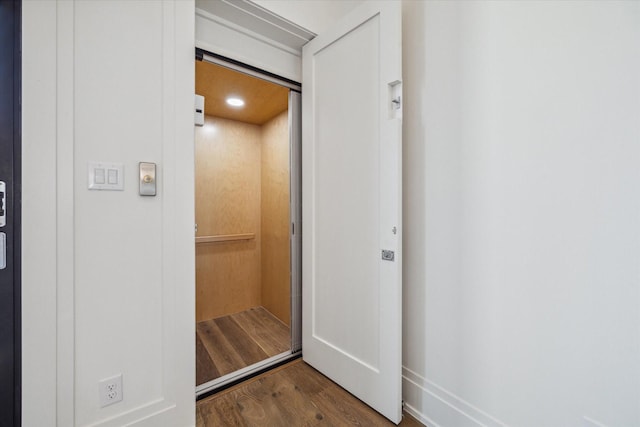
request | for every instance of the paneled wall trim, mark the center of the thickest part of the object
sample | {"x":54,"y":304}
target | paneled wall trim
{"x":108,"y":277}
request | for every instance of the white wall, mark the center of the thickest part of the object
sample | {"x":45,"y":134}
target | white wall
{"x":108,"y":277}
{"x":522,"y":242}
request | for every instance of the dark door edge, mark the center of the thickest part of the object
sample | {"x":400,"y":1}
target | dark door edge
{"x":17,"y":208}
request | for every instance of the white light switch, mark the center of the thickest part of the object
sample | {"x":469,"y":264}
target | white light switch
{"x":106,"y":176}
{"x":113,"y":176}
{"x":99,"y":176}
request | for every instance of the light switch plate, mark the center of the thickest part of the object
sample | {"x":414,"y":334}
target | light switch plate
{"x":147,"y":179}
{"x":106,"y":176}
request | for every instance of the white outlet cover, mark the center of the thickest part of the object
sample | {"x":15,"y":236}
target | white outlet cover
{"x":110,"y":390}
{"x":106,"y":176}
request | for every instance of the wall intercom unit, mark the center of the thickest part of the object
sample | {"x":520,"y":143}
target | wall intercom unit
{"x":199,"y":117}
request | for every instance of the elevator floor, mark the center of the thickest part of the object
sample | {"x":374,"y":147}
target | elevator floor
{"x":229,"y":343}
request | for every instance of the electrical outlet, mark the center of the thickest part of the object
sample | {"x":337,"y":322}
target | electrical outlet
{"x":110,"y":390}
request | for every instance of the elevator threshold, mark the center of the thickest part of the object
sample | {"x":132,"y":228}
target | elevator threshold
{"x":244,"y":374}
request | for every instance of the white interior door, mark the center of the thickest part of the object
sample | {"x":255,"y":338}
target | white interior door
{"x":352,"y":198}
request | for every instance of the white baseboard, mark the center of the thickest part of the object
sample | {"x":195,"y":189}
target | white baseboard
{"x":435,"y":406}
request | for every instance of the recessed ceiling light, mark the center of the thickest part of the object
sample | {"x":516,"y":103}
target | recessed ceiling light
{"x":235,"y":102}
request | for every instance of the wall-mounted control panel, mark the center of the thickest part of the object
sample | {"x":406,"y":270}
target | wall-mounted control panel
{"x":106,"y":176}
{"x":3,"y":222}
{"x":3,"y":251}
{"x":147,"y":179}
{"x":199,"y":113}
{"x":3,"y":204}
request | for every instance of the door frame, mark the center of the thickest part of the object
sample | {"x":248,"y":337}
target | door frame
{"x":295,"y":215}
{"x":13,"y":196}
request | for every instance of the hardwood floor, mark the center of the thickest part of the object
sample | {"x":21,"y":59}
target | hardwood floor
{"x":292,"y":395}
{"x":229,"y":343}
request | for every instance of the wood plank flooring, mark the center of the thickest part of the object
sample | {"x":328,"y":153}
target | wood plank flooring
{"x":292,"y":395}
{"x":229,"y":343}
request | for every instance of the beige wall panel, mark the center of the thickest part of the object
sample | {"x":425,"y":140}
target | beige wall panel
{"x":275,"y":218}
{"x":227,"y":278}
{"x":227,"y":203}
